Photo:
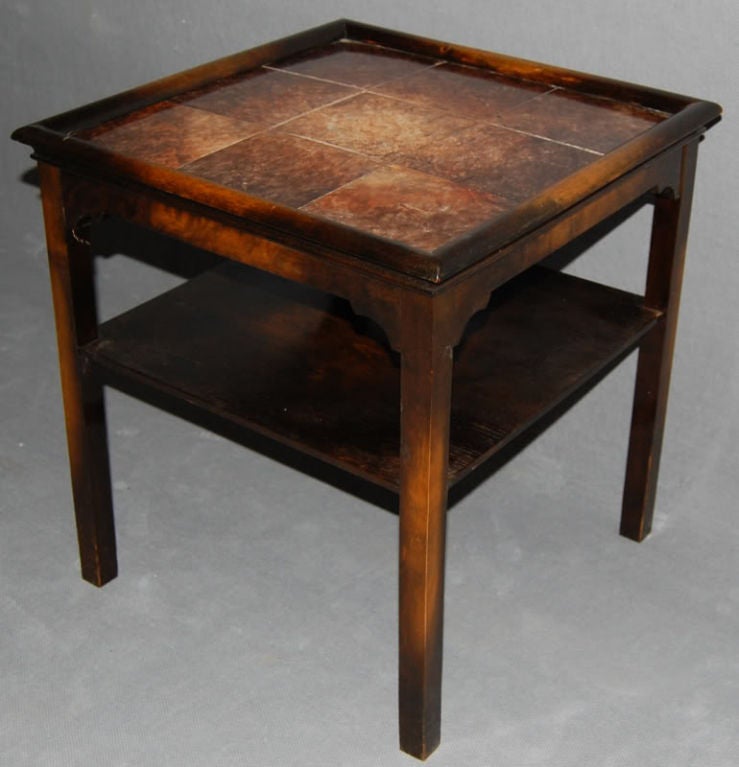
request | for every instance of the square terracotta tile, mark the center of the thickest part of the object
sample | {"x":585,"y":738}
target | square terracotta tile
{"x":584,"y":121}
{"x":282,"y":168}
{"x":499,"y":161}
{"x":375,"y":125}
{"x":466,"y":91}
{"x":356,"y":64}
{"x":266,"y":96}
{"x":414,"y":208}
{"x":170,"y":134}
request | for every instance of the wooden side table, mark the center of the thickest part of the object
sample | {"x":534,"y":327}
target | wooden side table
{"x":353,"y":171}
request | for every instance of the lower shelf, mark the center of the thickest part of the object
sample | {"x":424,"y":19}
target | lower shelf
{"x":299,"y":366}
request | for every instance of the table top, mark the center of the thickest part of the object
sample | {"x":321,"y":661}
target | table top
{"x":398,"y":150}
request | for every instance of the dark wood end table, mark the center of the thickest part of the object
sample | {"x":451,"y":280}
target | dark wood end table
{"x":353,"y":171}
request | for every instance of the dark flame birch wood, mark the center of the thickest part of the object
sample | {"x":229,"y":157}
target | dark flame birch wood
{"x":73,"y":292}
{"x":367,"y":173}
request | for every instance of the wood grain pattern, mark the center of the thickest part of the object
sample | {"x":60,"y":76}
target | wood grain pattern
{"x":294,"y":363}
{"x":664,"y":283}
{"x":73,"y":292}
{"x":395,"y":99}
{"x":421,"y":126}
{"x":409,"y":178}
{"x":425,"y":403}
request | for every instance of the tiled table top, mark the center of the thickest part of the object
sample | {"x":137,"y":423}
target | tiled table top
{"x":407,"y":148}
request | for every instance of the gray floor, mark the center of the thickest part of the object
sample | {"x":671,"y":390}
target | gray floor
{"x":253,"y":622}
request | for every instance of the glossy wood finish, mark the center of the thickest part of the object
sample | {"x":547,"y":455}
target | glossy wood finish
{"x":320,"y":359}
{"x":664,"y":280}
{"x":425,"y":403}
{"x":393,"y":109}
{"x":70,"y":268}
{"x":393,"y":193}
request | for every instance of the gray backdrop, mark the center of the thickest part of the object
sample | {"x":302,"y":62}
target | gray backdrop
{"x":254,"y":619}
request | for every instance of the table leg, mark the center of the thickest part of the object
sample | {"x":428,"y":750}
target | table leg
{"x":664,"y":278}
{"x":72,"y":284}
{"x":426,"y":376}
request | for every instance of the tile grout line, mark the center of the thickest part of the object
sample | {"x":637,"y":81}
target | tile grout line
{"x":336,"y":189}
{"x":546,"y":138}
{"x":267,"y":129}
{"x":370,"y":90}
{"x":372,"y":158}
{"x":379,"y":161}
{"x":351,"y":85}
{"x":488,"y":121}
{"x":315,"y":109}
{"x":307,"y":77}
